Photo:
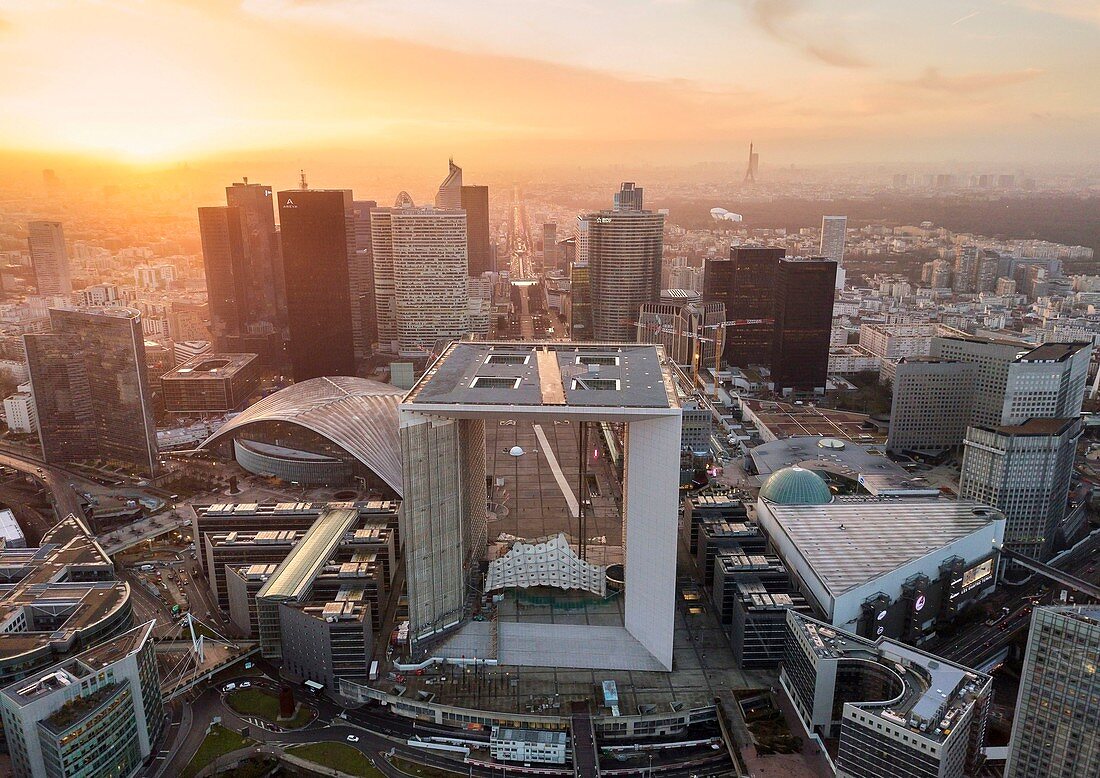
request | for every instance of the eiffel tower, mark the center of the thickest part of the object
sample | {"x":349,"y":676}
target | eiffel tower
{"x":750,"y":171}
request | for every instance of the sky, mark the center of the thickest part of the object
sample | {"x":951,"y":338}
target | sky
{"x":585,"y":82}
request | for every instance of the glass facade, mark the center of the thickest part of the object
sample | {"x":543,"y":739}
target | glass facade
{"x":91,"y":389}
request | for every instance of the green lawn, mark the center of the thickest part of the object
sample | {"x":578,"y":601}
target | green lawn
{"x":219,"y":741}
{"x":339,"y":756}
{"x":257,"y":702}
{"x":412,"y":768}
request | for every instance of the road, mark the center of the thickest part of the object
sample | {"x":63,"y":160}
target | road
{"x":65,"y":499}
{"x":981,"y":642}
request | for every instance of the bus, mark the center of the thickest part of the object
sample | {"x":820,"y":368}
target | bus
{"x":314,"y":688}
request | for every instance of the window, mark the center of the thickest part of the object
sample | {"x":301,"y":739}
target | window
{"x":495,"y":382}
{"x":596,"y":383}
{"x":608,"y":360}
{"x":508,"y":359}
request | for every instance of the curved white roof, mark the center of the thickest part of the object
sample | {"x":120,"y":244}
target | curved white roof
{"x":357,"y":414}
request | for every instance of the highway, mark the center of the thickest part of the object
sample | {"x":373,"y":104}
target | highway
{"x":65,"y":499}
{"x":981,"y":642}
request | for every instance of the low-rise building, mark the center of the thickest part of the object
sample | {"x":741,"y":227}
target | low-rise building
{"x":20,"y":411}
{"x":528,"y":745}
{"x":880,"y":566}
{"x":98,"y":713}
{"x":211,"y":383}
{"x":885,"y":703}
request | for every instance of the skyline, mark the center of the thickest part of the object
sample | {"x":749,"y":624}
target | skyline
{"x":667,"y":82}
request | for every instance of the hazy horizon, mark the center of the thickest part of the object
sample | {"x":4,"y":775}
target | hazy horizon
{"x":571,"y":83}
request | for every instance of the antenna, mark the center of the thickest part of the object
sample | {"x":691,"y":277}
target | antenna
{"x":302,"y":180}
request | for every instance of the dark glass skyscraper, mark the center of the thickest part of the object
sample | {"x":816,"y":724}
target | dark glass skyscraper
{"x":364,"y":321}
{"x":475,"y":201}
{"x":804,"y":289}
{"x":91,"y":389}
{"x":244,"y":275}
{"x":745,"y":283}
{"x":629,"y":197}
{"x":314,"y":230}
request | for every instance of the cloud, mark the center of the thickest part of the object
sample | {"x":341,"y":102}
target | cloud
{"x":780,"y":20}
{"x":971,"y":83}
{"x":1076,"y":10}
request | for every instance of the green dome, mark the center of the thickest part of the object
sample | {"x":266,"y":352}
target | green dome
{"x":796,"y":486}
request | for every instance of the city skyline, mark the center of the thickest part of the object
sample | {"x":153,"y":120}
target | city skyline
{"x":1009,"y":82}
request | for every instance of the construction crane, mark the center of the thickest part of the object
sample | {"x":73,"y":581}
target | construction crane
{"x":718,"y":340}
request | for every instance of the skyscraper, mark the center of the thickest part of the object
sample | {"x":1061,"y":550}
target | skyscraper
{"x":833,"y":234}
{"x":549,"y":246}
{"x":623,"y":249}
{"x":1024,"y":470}
{"x":364,"y":323}
{"x":314,"y":231}
{"x":804,"y":289}
{"x":629,"y":197}
{"x":421,"y":277}
{"x":91,"y":388}
{"x":449,"y":195}
{"x":745,"y":284}
{"x":49,"y":258}
{"x":1056,"y":729}
{"x":244,"y":276}
{"x":580,"y":301}
{"x":479,"y":251}
{"x":265,"y":282}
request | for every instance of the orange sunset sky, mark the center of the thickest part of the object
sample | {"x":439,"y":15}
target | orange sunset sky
{"x":581,"y":81}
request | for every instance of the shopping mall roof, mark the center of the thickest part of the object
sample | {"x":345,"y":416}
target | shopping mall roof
{"x":854,"y":540}
{"x":357,"y":414}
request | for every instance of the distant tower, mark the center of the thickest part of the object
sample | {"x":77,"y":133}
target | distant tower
{"x":449,"y":195}
{"x":754,"y":162}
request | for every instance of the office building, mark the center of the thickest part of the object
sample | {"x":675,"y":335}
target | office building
{"x":931,"y":405}
{"x":833,"y":235}
{"x":431,"y":280}
{"x":580,"y":301}
{"x":894,"y":711}
{"x":443,"y":520}
{"x":244,"y":282}
{"x":549,"y":246}
{"x":334,"y":431}
{"x":528,"y":745}
{"x":629,"y":197}
{"x":745,"y":283}
{"x":364,"y":321}
{"x":49,"y":258}
{"x":313,"y":227}
{"x":1047,"y":382}
{"x":687,"y":329}
{"x":752,"y":593}
{"x":1024,"y":470}
{"x":449,"y":196}
{"x":213,"y":383}
{"x":804,"y":289}
{"x":421,"y":278}
{"x":91,"y":389}
{"x":1056,"y":727}
{"x":59,"y":598}
{"x":20,"y":412}
{"x":479,"y":250}
{"x":892,"y":342}
{"x":880,"y":565}
{"x":623,"y":249}
{"x":184,"y":351}
{"x":99,"y":713}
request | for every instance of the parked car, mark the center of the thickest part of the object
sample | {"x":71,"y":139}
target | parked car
{"x":353,"y":738}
